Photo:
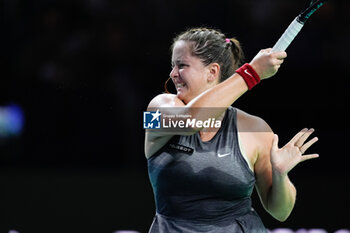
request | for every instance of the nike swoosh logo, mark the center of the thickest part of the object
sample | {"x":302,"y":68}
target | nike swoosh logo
{"x":246,"y":71}
{"x":223,"y":155}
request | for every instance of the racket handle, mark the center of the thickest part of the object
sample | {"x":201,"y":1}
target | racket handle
{"x":288,"y":36}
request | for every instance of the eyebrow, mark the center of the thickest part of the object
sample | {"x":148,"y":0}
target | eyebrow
{"x":179,"y":61}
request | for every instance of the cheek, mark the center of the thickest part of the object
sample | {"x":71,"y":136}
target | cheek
{"x":184,"y":76}
{"x":192,"y":79}
{"x":182,"y":73}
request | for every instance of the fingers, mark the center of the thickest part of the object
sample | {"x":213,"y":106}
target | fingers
{"x":278,"y":58}
{"x":308,"y":157}
{"x":278,"y":55}
{"x":268,"y":50}
{"x":308,"y":144}
{"x":299,"y":139}
{"x":298,"y":136}
{"x":303,"y":137}
{"x":281,"y":55}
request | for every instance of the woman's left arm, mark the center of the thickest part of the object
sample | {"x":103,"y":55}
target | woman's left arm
{"x":276,"y":191}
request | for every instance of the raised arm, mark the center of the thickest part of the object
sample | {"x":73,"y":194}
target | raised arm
{"x":212,"y":102}
{"x":221,"y":96}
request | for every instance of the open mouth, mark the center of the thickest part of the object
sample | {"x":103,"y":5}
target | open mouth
{"x":180,"y":85}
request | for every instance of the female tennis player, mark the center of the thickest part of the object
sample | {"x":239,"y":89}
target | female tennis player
{"x":203,"y":178}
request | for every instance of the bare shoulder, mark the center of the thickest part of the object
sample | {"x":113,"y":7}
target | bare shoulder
{"x":165,"y":100}
{"x":155,"y":139}
{"x":256,"y":131}
{"x":250,"y":123}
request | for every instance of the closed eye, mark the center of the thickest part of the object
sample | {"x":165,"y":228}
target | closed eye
{"x":178,"y":64}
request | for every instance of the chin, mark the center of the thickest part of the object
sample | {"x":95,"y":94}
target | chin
{"x":182,"y":96}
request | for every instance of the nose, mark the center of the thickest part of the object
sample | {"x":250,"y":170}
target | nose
{"x":174,"y":73}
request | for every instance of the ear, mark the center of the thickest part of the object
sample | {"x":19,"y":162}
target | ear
{"x":214,"y":72}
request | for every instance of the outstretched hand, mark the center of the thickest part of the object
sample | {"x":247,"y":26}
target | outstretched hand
{"x":286,"y":158}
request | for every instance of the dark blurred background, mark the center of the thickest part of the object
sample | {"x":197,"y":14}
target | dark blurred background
{"x":81,"y":73}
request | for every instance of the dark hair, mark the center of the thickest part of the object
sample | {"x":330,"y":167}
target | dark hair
{"x":210,"y":46}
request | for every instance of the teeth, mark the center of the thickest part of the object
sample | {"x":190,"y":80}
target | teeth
{"x":180,"y":85}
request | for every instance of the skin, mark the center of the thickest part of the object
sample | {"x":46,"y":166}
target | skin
{"x":198,"y":87}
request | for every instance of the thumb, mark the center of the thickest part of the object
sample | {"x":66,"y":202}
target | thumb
{"x":267,"y":50}
{"x":280,"y":54}
{"x":275,"y":142}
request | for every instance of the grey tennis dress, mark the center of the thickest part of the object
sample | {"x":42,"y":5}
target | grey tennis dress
{"x":203,"y":186}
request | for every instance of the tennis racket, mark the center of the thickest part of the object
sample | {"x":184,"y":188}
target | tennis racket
{"x":295,"y":27}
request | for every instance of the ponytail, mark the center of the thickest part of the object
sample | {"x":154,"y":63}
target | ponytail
{"x":237,"y":52}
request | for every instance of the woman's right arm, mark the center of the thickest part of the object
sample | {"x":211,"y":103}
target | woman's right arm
{"x":216,"y":99}
{"x":210,"y":104}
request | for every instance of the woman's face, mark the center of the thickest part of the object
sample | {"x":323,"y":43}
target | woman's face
{"x":189,"y":75}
